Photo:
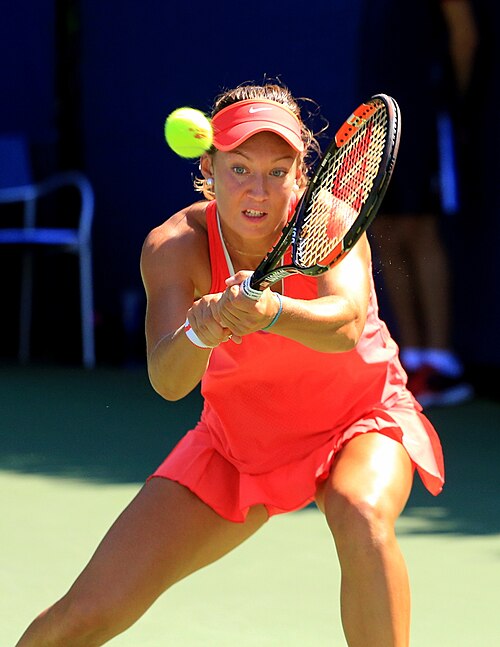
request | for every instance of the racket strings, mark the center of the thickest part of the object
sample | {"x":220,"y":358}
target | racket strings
{"x":345,"y":184}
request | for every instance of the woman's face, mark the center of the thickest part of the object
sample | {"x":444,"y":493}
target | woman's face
{"x":253,"y":186}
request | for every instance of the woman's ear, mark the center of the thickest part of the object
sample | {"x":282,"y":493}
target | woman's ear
{"x":299,"y":177}
{"x":298,"y":180}
{"x":206,"y":166}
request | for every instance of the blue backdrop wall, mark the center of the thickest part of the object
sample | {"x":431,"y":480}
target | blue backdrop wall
{"x":143,"y":59}
{"x":92,"y":82}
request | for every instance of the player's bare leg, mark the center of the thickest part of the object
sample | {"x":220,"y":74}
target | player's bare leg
{"x":367,"y":490}
{"x":163,"y":535}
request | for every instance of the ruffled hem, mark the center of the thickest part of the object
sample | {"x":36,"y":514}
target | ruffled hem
{"x":215,"y":480}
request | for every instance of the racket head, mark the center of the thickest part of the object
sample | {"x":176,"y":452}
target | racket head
{"x":347,"y":188}
{"x":342,"y":198}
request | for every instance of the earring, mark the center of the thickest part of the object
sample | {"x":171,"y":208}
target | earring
{"x":209,"y":182}
{"x":295,"y":186}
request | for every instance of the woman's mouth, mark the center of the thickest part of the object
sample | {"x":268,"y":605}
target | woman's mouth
{"x":252,"y":213}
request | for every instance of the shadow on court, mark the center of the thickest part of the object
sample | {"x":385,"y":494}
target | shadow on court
{"x":109,"y":426}
{"x":105,"y":425}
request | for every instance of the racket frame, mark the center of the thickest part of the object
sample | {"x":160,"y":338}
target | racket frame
{"x":269,"y":270}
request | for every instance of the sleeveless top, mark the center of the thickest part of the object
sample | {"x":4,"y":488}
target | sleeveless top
{"x":276,"y":413}
{"x":271,"y":392}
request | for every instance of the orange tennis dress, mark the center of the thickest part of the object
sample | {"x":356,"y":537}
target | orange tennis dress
{"x":276,"y":413}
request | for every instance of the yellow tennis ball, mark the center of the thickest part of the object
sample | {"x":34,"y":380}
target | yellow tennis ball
{"x":188,"y":132}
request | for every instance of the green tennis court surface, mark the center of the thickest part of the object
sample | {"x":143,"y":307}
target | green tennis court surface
{"x":75,"y":448}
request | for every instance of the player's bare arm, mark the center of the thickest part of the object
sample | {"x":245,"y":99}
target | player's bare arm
{"x":175,"y":271}
{"x":331,"y":323}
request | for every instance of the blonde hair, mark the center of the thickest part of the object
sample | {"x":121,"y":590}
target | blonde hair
{"x":274,"y":92}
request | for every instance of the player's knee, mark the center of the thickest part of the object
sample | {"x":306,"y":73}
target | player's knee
{"x":358,"y":524}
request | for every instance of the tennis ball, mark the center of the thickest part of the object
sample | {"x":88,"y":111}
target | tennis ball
{"x":188,"y":132}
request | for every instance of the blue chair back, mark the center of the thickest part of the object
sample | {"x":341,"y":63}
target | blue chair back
{"x":15,"y":166}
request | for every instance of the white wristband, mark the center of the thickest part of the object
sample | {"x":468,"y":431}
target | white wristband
{"x":193,"y":337}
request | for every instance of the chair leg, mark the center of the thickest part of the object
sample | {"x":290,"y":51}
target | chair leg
{"x":26,"y":307}
{"x":87,"y":308}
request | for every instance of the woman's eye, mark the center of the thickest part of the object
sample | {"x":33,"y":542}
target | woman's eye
{"x":278,"y":172}
{"x":239,"y":170}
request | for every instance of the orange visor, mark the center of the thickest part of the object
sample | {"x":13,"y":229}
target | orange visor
{"x":239,"y":121}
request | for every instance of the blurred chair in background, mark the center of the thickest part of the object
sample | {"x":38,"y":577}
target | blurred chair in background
{"x":17,"y":186}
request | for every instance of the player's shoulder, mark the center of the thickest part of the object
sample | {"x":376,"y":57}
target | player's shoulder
{"x":176,"y":252}
{"x":180,"y":240}
{"x":183,"y":236}
{"x":182,"y":228}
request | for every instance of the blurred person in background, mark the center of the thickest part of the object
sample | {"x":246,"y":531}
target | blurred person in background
{"x":426,"y":63}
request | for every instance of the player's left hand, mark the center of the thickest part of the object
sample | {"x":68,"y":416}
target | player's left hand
{"x":240,"y":314}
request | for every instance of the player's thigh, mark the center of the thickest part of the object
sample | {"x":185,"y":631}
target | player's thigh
{"x":372,"y":471}
{"x":164,"y":534}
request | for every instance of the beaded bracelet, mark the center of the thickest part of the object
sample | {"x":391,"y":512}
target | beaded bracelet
{"x":278,"y":314}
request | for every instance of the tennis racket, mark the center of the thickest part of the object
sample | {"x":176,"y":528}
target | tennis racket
{"x":342,"y":197}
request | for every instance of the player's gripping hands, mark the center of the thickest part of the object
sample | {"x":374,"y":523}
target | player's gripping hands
{"x":217,"y":318}
{"x":332,"y":322}
{"x":202,"y":327}
{"x":235,"y":311}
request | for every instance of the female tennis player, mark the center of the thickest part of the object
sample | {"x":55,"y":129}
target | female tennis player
{"x":304,"y":398}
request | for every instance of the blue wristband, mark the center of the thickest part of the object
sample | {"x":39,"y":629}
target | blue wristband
{"x":278,"y":314}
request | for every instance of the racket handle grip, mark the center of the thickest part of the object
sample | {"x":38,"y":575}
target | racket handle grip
{"x":249,"y":291}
